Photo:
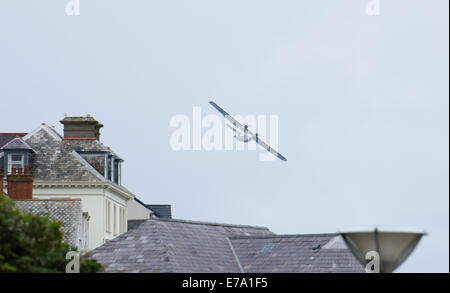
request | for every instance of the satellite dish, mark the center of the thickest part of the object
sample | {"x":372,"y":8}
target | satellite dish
{"x":393,"y":246}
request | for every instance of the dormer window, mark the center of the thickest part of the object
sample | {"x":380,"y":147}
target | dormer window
{"x":16,"y":160}
{"x":113,"y":168}
{"x":17,"y":154}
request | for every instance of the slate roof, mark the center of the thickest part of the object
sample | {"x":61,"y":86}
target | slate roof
{"x":17,"y":143}
{"x":309,"y":253}
{"x":161,"y":210}
{"x":7,"y":137}
{"x":177,"y":246}
{"x":55,"y":158}
{"x":163,"y":245}
{"x":67,"y":212}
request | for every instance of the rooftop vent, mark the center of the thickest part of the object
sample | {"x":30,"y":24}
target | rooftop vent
{"x":316,"y":247}
{"x":81,"y":127}
{"x":267,"y":248}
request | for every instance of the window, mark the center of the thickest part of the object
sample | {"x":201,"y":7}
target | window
{"x":115,"y":219}
{"x":16,"y":160}
{"x":123,"y":222}
{"x":108,"y":216}
{"x":119,"y":173}
{"x":120,"y":220}
{"x":116,"y":172}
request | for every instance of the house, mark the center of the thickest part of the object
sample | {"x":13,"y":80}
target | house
{"x":137,"y":210}
{"x":67,"y":211}
{"x":179,"y":246}
{"x":161,"y":210}
{"x":73,"y":165}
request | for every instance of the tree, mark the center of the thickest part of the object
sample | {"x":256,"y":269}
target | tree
{"x":30,"y":244}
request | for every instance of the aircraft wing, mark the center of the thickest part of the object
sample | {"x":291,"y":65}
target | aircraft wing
{"x":228,"y":117}
{"x":241,"y":127}
{"x":270,"y":149}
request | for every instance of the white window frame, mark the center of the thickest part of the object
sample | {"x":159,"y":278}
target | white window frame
{"x":115,"y":219}
{"x":15,"y":163}
{"x":108,"y":216}
{"x":122,"y":220}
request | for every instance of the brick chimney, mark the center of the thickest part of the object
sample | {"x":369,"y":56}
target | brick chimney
{"x":20,"y":184}
{"x":81,"y":128}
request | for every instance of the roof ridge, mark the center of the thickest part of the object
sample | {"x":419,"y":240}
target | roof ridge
{"x":142,"y":203}
{"x":283,"y":235}
{"x":208,"y":223}
{"x":21,"y":141}
{"x":52,"y":132}
{"x":236,"y":257}
{"x":173,"y":260}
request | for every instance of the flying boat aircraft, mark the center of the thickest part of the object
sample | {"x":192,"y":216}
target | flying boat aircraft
{"x":245,"y":134}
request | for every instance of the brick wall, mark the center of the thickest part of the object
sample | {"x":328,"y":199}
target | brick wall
{"x":20,"y":186}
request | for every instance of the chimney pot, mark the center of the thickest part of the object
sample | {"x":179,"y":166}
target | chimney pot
{"x":13,"y":169}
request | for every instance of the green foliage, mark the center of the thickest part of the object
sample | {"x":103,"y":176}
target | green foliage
{"x":33,"y":244}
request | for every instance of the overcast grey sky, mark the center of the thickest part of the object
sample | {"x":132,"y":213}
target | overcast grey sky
{"x":362,"y":103}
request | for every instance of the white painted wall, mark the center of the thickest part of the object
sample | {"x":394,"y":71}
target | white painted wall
{"x":116,"y":203}
{"x":93,"y":201}
{"x":136,"y":211}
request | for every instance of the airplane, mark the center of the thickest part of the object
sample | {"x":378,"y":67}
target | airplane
{"x":247,"y":134}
